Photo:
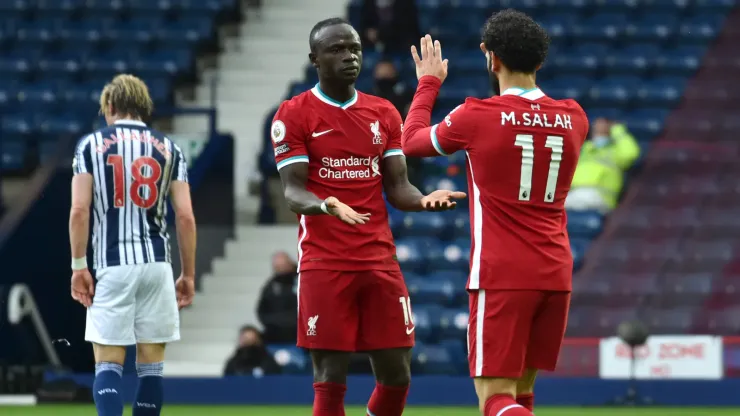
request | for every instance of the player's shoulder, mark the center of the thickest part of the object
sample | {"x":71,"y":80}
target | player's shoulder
{"x":568,"y":104}
{"x":296,"y":104}
{"x":369,"y":100}
{"x":472,"y":106}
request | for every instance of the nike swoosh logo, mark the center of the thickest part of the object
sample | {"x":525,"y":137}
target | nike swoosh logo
{"x":321,"y":133}
{"x":410,"y":330}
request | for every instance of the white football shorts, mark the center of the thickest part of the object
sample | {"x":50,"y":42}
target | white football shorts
{"x":134,"y":304}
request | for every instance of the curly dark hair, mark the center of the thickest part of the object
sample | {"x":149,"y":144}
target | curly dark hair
{"x":517,"y":40}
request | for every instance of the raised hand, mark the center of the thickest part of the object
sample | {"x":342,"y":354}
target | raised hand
{"x":441,"y":200}
{"x":344,"y":212}
{"x":430,"y":62}
{"x":83,"y":287}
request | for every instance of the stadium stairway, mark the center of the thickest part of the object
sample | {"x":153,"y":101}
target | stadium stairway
{"x":669,"y":246}
{"x":227,"y":300}
{"x":253,"y":73}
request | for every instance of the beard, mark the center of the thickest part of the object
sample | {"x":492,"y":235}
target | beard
{"x":495,"y":87}
{"x":494,"y":83}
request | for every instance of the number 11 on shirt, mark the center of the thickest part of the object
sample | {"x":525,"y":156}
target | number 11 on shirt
{"x":526,"y":142}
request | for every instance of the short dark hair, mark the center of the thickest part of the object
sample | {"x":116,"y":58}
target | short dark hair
{"x":332,"y":21}
{"x":517,"y":40}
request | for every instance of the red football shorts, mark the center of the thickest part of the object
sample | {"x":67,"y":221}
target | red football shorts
{"x":353,"y":310}
{"x":513,"y":330}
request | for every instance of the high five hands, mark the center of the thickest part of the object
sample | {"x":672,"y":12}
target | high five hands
{"x":430,"y":62}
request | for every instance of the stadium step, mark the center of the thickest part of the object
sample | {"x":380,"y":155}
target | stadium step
{"x":226,"y":315}
{"x":200,"y":351}
{"x":227,"y":299}
{"x":270,"y":52}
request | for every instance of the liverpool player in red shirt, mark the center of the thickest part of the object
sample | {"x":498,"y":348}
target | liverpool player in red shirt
{"x":337,"y":150}
{"x":522,"y":149}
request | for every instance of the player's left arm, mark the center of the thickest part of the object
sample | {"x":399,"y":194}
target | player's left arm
{"x":401,"y":194}
{"x":82,"y":193}
{"x":422,"y":140}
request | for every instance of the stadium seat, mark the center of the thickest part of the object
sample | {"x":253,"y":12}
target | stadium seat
{"x":584,"y":224}
{"x":432,"y":359}
{"x":292,"y":359}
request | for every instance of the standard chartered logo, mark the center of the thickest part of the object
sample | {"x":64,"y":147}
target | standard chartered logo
{"x":350,"y":167}
{"x":374,"y":166}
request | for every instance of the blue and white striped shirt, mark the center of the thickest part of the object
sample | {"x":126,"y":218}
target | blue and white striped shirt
{"x":132,"y":167}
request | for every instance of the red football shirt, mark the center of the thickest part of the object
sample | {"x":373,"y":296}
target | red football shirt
{"x":344,"y":145}
{"x":522,"y":149}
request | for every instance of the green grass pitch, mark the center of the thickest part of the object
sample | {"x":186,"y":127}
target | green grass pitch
{"x":63,"y":410}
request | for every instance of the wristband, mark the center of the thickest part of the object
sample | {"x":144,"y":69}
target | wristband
{"x":79,"y":264}
{"x":325,"y":208}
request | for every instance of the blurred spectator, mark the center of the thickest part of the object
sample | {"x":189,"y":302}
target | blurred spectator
{"x":251,"y":357}
{"x":389,"y":86}
{"x":390,"y":26}
{"x":605,"y":158}
{"x":278,"y":303}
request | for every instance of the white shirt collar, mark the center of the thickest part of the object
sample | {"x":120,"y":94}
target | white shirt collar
{"x":533,"y":94}
{"x":131,"y":122}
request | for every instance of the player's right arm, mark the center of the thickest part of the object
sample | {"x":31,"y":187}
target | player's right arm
{"x":82,"y":287}
{"x":289,"y":142}
{"x":442,"y":139}
{"x":185,"y":227}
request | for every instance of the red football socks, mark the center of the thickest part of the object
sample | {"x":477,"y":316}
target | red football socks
{"x":526,"y":400}
{"x":328,"y":399}
{"x":504,"y":405}
{"x":387,"y":400}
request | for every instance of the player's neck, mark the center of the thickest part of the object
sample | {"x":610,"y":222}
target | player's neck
{"x":517,"y":80}
{"x":339,"y":93}
{"x":127,"y":117}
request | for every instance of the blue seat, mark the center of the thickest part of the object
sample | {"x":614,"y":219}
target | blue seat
{"x":698,"y":30}
{"x":441,"y":165}
{"x":292,"y":359}
{"x":578,"y":247}
{"x":37,"y":97}
{"x":575,"y":63}
{"x":455,"y":256}
{"x":633,"y":60}
{"x":598,"y":31}
{"x":665,"y":92}
{"x":426,"y":321}
{"x":13,"y":153}
{"x":19,"y":62}
{"x":456,"y":277}
{"x":613,"y":92}
{"x":432,"y":359}
{"x":460,"y":223}
{"x":458,"y":352}
{"x":457,"y":183}
{"x":645,"y":123}
{"x":430,"y":224}
{"x":430,"y":292}
{"x":17,"y":124}
{"x":454,"y":323}
{"x":414,"y":253}
{"x":164,"y":62}
{"x":584,"y":224}
{"x":66,"y":124}
{"x":681,"y":61}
